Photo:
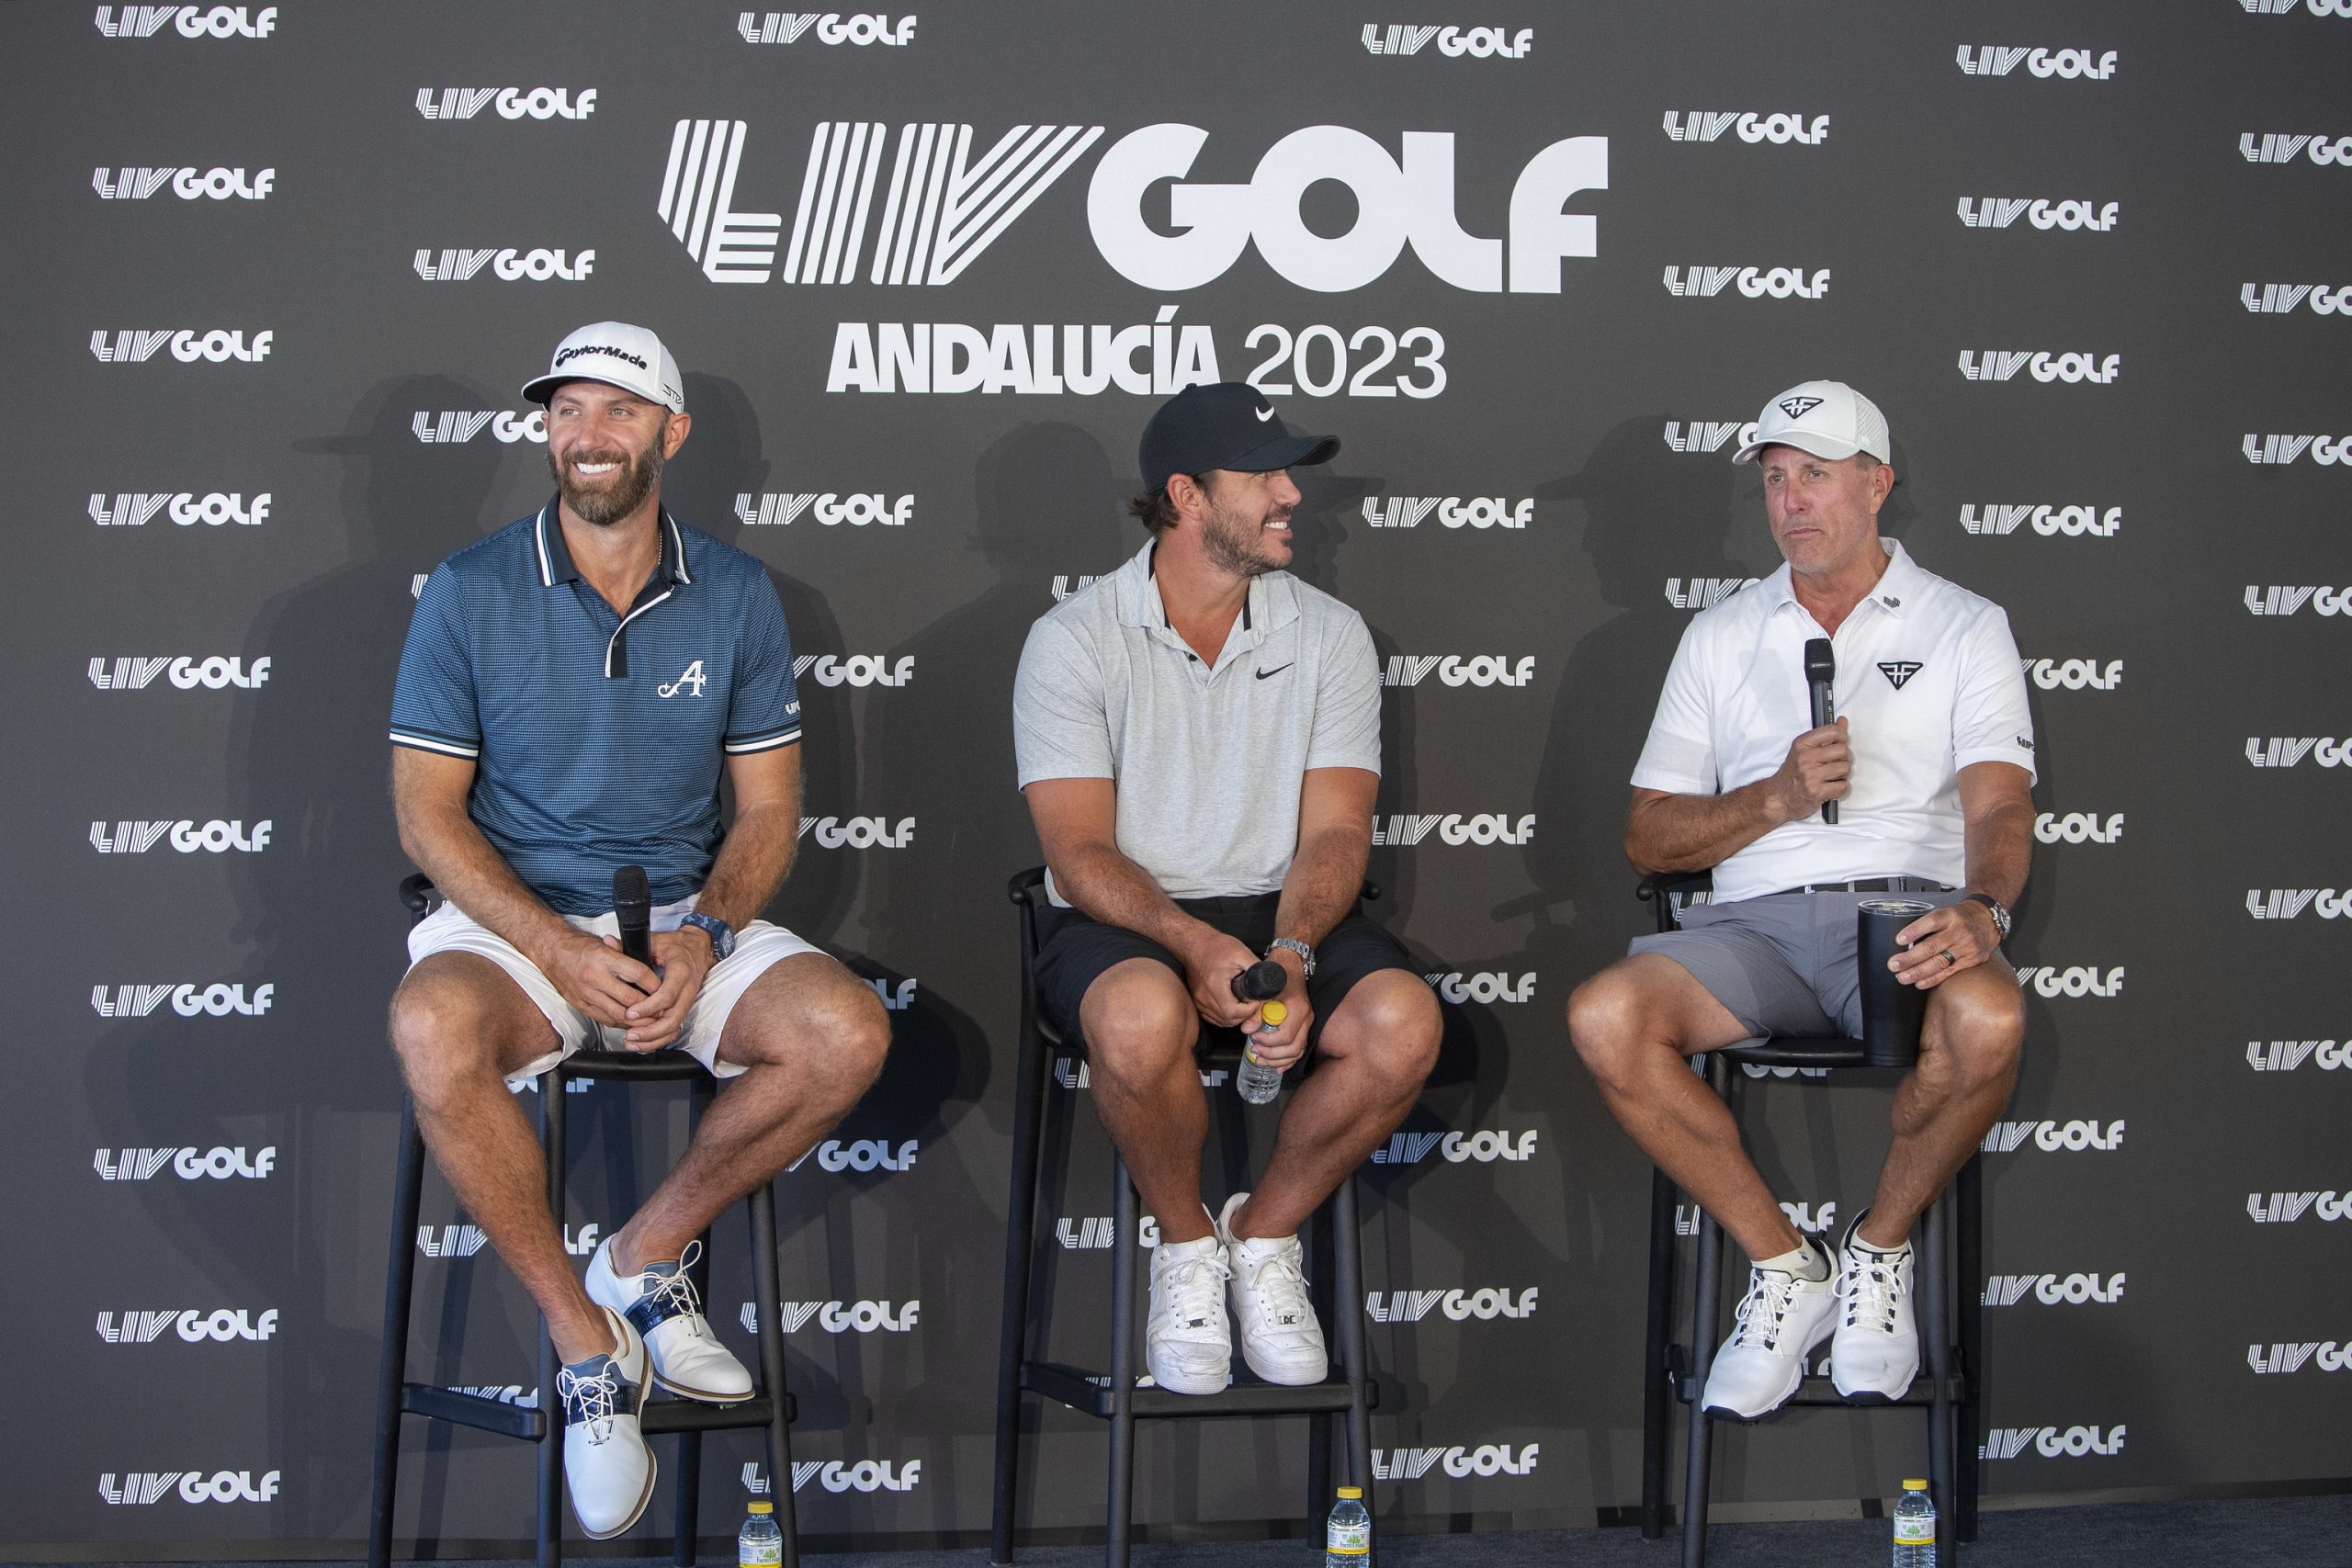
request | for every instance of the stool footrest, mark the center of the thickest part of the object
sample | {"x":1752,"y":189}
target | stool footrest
{"x":529,"y":1424}
{"x":1089,"y":1395}
{"x":1821,"y":1390}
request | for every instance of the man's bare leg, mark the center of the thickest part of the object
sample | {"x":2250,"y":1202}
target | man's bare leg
{"x":1375,"y":1051}
{"x":811,"y":1037}
{"x":1140,"y":1027}
{"x":1968,"y":1065}
{"x":1636,"y":1024}
{"x":459,"y":1025}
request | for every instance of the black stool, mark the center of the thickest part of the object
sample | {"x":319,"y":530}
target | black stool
{"x":396,"y":1397}
{"x":1115,"y":1398}
{"x":1950,"y":1255}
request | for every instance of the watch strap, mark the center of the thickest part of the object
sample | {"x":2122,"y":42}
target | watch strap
{"x":1305,"y":953}
{"x":721,"y":934}
{"x":2000,"y":913}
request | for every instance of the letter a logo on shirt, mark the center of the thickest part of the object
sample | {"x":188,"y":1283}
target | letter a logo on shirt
{"x":692,"y":676}
{"x":1897,"y":671}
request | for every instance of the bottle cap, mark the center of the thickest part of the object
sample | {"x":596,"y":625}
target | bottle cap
{"x":1273,"y":1013}
{"x":763,"y":1508}
{"x":1915,"y":1486}
{"x":1351,"y":1491}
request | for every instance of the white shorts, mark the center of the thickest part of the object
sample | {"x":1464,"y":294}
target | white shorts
{"x":450,"y":930}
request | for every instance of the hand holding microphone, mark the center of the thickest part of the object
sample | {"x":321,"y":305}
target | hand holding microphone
{"x":1820,"y":763}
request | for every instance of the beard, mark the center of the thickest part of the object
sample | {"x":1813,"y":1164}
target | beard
{"x":621,"y":494}
{"x":1235,"y":544}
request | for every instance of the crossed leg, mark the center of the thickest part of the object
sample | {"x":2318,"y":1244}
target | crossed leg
{"x":1637,"y":1021}
{"x":809,"y":1034}
{"x":1376,"y":1051}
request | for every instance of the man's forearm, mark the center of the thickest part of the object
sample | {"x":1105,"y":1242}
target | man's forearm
{"x":1694,"y":832}
{"x":1107,"y":885}
{"x":448,"y":848}
{"x":1999,"y":851}
{"x":1326,"y":878}
{"x":758,"y":852}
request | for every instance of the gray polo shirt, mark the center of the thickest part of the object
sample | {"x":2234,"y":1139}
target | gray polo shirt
{"x":1208,"y":758}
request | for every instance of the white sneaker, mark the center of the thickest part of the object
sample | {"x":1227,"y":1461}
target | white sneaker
{"x":1188,"y":1344}
{"x":607,"y":1466}
{"x":1781,"y":1321}
{"x":1280,"y":1339}
{"x":662,"y":1305}
{"x":1875,"y":1353}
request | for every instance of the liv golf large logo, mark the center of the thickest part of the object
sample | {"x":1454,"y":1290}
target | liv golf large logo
{"x":918,"y":205}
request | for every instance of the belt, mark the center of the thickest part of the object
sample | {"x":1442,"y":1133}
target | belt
{"x":1869,"y":884}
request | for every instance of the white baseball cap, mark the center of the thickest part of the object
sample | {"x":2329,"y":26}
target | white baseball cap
{"x":1828,"y":419}
{"x":618,"y":354}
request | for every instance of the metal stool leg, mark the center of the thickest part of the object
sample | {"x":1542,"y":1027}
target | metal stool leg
{"x":1347,"y":1287}
{"x":1020,"y":1260}
{"x":1320,"y":1431}
{"x":1706,"y":1316}
{"x":687,"y":1483}
{"x":1124,"y":1331}
{"x":392,"y":1366}
{"x":769,"y":1311}
{"x":553,"y":1083}
{"x":1657,"y":1393}
{"x":1968,"y":1195}
{"x":1934,"y":1287}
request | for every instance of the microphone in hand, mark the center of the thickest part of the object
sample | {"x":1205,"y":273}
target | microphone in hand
{"x":1821,"y":678}
{"x":633,"y":907}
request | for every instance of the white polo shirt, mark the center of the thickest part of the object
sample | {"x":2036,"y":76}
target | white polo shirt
{"x":1928,"y":682}
{"x":1208,"y":758}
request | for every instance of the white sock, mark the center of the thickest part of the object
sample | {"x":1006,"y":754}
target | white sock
{"x":1807,"y":1262}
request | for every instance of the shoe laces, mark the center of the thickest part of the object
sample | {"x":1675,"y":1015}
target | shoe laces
{"x":1279,"y":1286}
{"x":676,"y":1291}
{"x":1872,"y":1285}
{"x":589,"y":1399}
{"x":1765,"y":1307}
{"x":1191,"y":1290}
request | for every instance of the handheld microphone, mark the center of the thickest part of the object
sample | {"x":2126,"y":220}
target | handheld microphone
{"x":1261,"y":982}
{"x":633,"y":906}
{"x":1821,"y":675}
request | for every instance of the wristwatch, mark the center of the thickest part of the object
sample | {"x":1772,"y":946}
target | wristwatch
{"x":1305,"y":953}
{"x":721,"y":934}
{"x":2000,"y":915}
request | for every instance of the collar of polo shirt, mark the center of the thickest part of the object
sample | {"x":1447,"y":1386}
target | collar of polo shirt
{"x":1273,"y":601}
{"x":1898,"y":586}
{"x":556,"y":564}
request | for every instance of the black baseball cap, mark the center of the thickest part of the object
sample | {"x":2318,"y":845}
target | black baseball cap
{"x":1224,"y":424}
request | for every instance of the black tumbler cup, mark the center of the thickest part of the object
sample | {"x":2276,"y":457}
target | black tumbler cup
{"x":1892,"y":1011}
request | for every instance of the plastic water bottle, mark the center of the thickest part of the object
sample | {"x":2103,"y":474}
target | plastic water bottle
{"x":760,"y":1542}
{"x":1346,"y":1532}
{"x":1915,"y":1528}
{"x":1257,"y":1082}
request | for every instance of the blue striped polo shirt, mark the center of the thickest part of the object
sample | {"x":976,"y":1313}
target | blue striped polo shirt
{"x":597,"y":739}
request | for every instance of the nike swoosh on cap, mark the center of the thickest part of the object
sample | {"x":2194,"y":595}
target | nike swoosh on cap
{"x":1265,"y":414}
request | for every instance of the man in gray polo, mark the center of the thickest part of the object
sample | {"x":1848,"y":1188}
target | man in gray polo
{"x":1198,"y":737}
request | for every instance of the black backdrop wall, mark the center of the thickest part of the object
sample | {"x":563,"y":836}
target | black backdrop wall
{"x":279,"y":270}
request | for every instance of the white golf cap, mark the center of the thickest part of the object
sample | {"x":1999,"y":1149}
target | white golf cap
{"x":621,"y":355}
{"x":1828,"y":419}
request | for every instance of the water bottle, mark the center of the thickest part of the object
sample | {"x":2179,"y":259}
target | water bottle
{"x":760,"y":1542}
{"x":1257,"y":1082}
{"x":1347,"y":1531}
{"x":1915,"y":1528}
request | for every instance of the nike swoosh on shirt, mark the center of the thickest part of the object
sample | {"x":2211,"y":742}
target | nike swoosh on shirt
{"x":1275,"y":670}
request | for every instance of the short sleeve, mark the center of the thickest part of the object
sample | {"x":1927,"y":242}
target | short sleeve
{"x":433,"y":699}
{"x":1679,"y":755}
{"x":1347,"y":705}
{"x":1990,"y":720}
{"x":763,"y":712}
{"x":1060,"y":727}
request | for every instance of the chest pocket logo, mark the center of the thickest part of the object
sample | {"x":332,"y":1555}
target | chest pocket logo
{"x":692,"y":676}
{"x":1896,"y":671}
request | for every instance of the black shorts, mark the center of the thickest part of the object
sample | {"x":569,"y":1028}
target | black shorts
{"x":1075,"y":949}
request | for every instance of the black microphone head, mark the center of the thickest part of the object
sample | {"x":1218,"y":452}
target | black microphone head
{"x":1820,"y":663}
{"x":630,"y":889}
{"x":1261,"y":982}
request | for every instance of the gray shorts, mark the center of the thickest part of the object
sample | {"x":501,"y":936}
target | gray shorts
{"x":1780,"y":965}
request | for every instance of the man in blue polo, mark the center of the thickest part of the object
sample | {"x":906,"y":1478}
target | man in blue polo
{"x":572,"y":689}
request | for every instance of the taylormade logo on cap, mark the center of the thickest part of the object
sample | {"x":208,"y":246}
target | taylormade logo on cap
{"x":1828,"y":419}
{"x":618,"y":354}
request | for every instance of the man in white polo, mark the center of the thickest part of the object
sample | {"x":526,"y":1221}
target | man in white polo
{"x":1198,"y":737}
{"x":1931,"y":762}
